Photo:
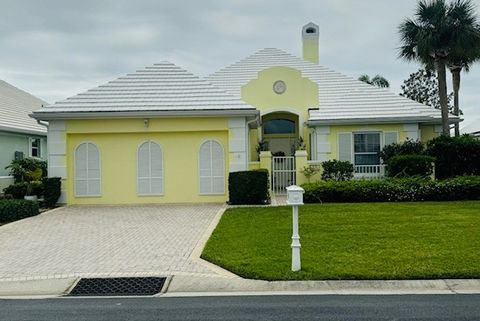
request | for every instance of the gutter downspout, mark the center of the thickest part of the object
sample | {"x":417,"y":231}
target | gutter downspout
{"x":42,"y":123}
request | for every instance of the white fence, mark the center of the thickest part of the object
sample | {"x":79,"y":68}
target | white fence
{"x":283,"y":173}
{"x":369,"y":171}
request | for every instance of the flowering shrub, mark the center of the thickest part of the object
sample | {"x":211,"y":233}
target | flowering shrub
{"x":393,"y":190}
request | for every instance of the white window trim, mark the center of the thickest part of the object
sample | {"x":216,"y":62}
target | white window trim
{"x":211,"y":168}
{"x":87,"y":179}
{"x":30,"y":147}
{"x":150,"y":169}
{"x":381,"y":139}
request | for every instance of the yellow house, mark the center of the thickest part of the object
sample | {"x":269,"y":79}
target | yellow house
{"x":163,"y":135}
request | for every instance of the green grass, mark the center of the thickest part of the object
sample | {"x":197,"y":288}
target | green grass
{"x":352,"y":241}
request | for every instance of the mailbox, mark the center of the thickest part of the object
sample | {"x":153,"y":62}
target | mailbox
{"x":295,"y":195}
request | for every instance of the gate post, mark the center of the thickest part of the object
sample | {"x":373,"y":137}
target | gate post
{"x":301,"y":157}
{"x":266,"y":163}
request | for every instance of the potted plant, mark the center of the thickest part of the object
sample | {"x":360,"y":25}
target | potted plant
{"x":30,"y":177}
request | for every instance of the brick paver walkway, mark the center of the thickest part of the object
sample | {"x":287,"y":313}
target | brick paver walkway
{"x":106,"y":241}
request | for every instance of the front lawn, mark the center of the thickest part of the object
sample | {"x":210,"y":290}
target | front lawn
{"x":421,"y":240}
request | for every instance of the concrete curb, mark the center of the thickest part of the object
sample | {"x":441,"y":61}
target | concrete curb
{"x":188,"y":286}
{"x":35,"y":288}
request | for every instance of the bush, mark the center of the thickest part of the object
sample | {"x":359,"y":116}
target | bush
{"x":410,"y":165}
{"x":249,"y":187}
{"x":13,"y":210}
{"x":337,"y":170}
{"x":393,"y":190}
{"x":52,"y":190}
{"x":455,"y":156}
{"x":27,"y":169}
{"x":19,"y":190}
{"x":408,"y":147}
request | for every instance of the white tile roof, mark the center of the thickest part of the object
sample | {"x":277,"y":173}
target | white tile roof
{"x":15,"y":106}
{"x":160,"y":87}
{"x":341,"y":98}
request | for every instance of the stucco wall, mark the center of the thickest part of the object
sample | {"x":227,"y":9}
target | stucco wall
{"x":118,"y":140}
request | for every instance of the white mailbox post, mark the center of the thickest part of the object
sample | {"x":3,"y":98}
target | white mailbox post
{"x":295,"y":198}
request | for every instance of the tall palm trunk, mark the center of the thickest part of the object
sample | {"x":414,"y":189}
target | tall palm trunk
{"x":442,"y":92}
{"x":456,"y":88}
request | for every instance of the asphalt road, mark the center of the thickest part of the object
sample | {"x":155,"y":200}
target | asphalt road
{"x":358,"y":307}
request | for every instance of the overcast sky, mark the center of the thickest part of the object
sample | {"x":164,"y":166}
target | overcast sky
{"x":56,"y":49}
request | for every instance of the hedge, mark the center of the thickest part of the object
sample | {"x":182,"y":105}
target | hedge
{"x":52,"y":190}
{"x":19,"y":190}
{"x":410,"y":165}
{"x":455,"y":156}
{"x":13,"y":210}
{"x":337,"y":170}
{"x":249,"y":187}
{"x":393,"y":190}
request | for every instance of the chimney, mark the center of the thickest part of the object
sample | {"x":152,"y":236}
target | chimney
{"x":310,"y":42}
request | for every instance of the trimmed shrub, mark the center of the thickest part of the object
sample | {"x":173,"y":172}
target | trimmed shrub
{"x":393,"y":190}
{"x":52,"y":190}
{"x":455,"y":156}
{"x":337,"y":170}
{"x":408,"y":147}
{"x":14,"y":210}
{"x":249,"y":187}
{"x":19,"y":190}
{"x":410,"y":165}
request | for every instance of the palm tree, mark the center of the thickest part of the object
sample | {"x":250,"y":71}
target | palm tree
{"x":466,"y":48}
{"x":427,"y":39}
{"x":378,"y":81}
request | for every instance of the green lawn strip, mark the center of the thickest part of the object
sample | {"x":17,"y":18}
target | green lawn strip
{"x":352,"y":241}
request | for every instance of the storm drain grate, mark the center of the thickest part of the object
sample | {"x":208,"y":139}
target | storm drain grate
{"x":118,"y":286}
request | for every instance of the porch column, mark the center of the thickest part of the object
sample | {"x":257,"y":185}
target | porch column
{"x":301,"y":157}
{"x":266,"y":163}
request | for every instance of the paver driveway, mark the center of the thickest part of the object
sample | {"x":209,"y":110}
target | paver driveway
{"x":106,"y":240}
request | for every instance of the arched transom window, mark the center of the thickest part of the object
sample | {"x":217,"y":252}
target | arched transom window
{"x":150,"y":169}
{"x":211,"y":168}
{"x":279,"y":126}
{"x":87,"y":170}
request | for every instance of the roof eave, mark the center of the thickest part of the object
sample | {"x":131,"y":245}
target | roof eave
{"x":39,"y":115}
{"x":377,"y":120}
{"x":23,"y":131}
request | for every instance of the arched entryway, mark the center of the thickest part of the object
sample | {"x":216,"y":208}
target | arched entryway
{"x":280,"y":131}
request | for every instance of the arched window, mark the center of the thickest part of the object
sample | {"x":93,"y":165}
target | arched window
{"x":279,"y":126}
{"x":150,"y":169}
{"x":212,"y":168}
{"x":87,"y":170}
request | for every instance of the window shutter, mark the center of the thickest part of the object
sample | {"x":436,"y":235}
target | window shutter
{"x":150,"y":169}
{"x":81,"y":162}
{"x":156,"y":169}
{"x":87,"y":170}
{"x":390,"y":138}
{"x":218,"y":169}
{"x":211,"y":168}
{"x":345,"y":147}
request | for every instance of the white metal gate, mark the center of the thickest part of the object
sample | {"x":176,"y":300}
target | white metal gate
{"x":283,"y":173}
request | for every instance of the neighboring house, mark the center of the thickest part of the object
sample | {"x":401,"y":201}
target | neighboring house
{"x":20,"y":135}
{"x":162,"y":134}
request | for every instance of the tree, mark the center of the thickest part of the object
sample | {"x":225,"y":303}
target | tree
{"x":433,"y":38}
{"x":422,"y":86}
{"x":378,"y":81}
{"x":466,"y":50}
